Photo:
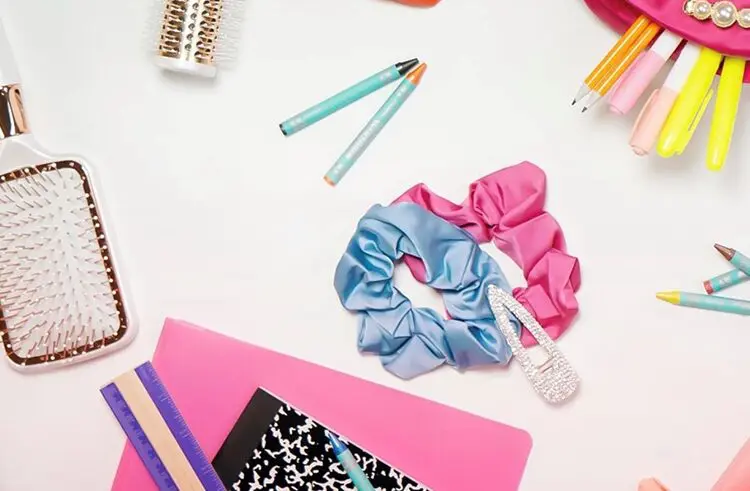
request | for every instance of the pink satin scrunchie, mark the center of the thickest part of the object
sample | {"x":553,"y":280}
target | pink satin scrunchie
{"x":507,"y":207}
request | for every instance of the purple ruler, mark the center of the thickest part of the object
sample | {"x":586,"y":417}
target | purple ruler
{"x":177,"y":426}
{"x":138,"y":438}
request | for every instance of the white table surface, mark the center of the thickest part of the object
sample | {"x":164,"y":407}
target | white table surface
{"x":219,"y":216}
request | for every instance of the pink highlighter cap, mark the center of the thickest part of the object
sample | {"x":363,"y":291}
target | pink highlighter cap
{"x":649,"y":123}
{"x":640,"y":75}
{"x":632,"y":87}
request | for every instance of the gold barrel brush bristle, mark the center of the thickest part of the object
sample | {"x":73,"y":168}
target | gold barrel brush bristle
{"x":196,"y":36}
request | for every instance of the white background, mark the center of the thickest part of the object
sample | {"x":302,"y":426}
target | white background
{"x":223,"y":222}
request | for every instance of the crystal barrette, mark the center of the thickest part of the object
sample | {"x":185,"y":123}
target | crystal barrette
{"x":555,"y":379}
{"x":723,"y":13}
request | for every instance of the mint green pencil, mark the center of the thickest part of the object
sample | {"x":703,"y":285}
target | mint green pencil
{"x":347,"y":96}
{"x":724,"y":281}
{"x":706,"y":302}
{"x":375,"y":126}
{"x":730,"y":278}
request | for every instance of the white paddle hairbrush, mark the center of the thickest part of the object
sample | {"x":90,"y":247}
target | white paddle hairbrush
{"x":61,"y":298}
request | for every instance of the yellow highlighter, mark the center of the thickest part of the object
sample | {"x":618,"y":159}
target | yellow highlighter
{"x":690,"y":105}
{"x":725,"y":112}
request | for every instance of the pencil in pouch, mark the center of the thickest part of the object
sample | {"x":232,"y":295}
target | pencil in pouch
{"x":721,"y":26}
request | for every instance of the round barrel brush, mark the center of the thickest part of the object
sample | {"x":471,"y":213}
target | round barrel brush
{"x":197,"y":36}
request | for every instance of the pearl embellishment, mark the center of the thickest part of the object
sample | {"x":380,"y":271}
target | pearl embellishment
{"x":702,"y":10}
{"x":722,"y":13}
{"x":743,"y":18}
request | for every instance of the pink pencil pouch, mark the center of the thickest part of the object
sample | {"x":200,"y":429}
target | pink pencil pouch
{"x":701,"y":25}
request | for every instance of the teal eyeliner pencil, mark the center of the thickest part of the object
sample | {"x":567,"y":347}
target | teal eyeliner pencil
{"x":339,"y":101}
{"x":374,"y":126}
{"x":724,"y":281}
{"x":347,"y":461}
{"x":739,"y":261}
{"x":706,"y":302}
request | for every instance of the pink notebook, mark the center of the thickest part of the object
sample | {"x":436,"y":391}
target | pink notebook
{"x":212,"y":377}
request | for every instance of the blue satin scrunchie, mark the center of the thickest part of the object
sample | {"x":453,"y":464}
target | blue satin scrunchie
{"x":412,"y":341}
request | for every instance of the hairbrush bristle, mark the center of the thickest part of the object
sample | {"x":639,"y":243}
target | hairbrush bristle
{"x":59,"y":294}
{"x":196,"y":36}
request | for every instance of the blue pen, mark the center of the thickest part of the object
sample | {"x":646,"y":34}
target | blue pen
{"x":374,"y":126}
{"x":353,"y":470}
{"x":345,"y":97}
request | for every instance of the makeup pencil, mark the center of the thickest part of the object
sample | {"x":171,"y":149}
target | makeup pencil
{"x":373,"y":128}
{"x":347,"y":96}
{"x":736,"y":258}
{"x":706,"y":302}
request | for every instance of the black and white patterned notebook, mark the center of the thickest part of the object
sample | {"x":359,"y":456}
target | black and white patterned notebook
{"x":274,"y":447}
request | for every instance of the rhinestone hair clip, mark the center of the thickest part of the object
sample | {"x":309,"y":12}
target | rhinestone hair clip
{"x":555,"y":379}
{"x":723,"y":14}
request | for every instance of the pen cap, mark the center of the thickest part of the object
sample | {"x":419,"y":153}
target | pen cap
{"x":8,"y":68}
{"x":635,"y":80}
{"x":338,"y":445}
{"x":650,"y":120}
{"x":643,"y":70}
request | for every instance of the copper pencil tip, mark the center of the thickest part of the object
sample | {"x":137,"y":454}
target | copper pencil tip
{"x":415,"y":76}
{"x":707,"y":286}
{"x":727,"y":252}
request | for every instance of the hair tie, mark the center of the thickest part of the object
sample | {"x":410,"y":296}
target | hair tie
{"x":412,"y":341}
{"x":507,"y":207}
